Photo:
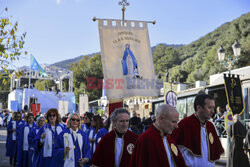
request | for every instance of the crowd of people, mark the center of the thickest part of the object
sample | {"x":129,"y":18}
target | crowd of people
{"x":5,"y":117}
{"x":118,"y":140}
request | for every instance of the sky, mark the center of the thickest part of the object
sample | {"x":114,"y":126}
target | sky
{"x":63,"y":29}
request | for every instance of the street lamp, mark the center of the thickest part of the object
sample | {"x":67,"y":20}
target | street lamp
{"x":230,"y":60}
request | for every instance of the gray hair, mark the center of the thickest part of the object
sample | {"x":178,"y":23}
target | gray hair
{"x":164,"y":109}
{"x":117,"y":111}
{"x":69,"y":120}
{"x":236,"y":117}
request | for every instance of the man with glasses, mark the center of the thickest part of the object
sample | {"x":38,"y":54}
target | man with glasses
{"x":115,"y":148}
{"x":155,"y":147}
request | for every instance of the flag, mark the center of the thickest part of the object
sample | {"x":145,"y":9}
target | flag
{"x":126,"y":59}
{"x":35,"y":66}
{"x":234,"y":93}
{"x":228,"y":115}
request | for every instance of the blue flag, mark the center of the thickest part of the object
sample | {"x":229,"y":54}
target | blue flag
{"x":34,"y":66}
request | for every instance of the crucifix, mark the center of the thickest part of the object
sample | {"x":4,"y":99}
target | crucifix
{"x":123,"y":3}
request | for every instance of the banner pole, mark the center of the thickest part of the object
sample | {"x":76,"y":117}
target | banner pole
{"x":94,"y":19}
{"x":29,"y":84}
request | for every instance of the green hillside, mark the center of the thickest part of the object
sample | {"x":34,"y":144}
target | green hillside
{"x":198,"y":60}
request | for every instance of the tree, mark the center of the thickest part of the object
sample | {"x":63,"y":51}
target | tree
{"x":159,"y":52}
{"x":178,"y":74}
{"x":165,"y":58}
{"x":87,"y":67}
{"x":11,"y":43}
{"x":42,"y":84}
{"x":4,"y":89}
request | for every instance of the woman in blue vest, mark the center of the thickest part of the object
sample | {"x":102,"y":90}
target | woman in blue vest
{"x":35,"y":153}
{"x":72,"y":145}
{"x":45,"y":139}
{"x":24,"y":154}
{"x":99,"y":131}
{"x":11,"y":142}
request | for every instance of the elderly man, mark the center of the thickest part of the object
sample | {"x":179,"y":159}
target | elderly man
{"x":155,"y":147}
{"x":115,"y":148}
{"x":237,"y":132}
{"x":196,"y":135}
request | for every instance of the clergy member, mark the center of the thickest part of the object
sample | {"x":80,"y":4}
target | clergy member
{"x":155,"y":147}
{"x":115,"y":148}
{"x":237,"y":133}
{"x":196,"y":135}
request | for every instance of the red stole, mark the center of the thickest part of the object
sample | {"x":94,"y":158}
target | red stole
{"x":104,"y":155}
{"x":150,"y":150}
{"x":189,"y":135}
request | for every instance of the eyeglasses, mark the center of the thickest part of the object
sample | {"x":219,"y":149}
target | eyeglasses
{"x":77,"y":120}
{"x":52,"y":115}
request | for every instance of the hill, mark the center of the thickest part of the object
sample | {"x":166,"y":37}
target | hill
{"x":198,"y":60}
{"x":67,"y":63}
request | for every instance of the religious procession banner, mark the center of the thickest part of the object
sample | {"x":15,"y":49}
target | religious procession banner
{"x":228,"y":115}
{"x":234,"y":94}
{"x":126,"y":59}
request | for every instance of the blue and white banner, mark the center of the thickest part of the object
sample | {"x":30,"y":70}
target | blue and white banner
{"x":126,"y":59}
{"x":35,"y":66}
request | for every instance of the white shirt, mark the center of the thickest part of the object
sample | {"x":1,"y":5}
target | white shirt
{"x":170,"y":160}
{"x":74,"y":132}
{"x":195,"y":161}
{"x":118,"y":150}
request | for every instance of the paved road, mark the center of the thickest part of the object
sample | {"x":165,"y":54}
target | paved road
{"x":4,"y":161}
{"x":221,"y":162}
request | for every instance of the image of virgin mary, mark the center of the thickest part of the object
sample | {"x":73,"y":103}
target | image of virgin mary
{"x":129,"y":63}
